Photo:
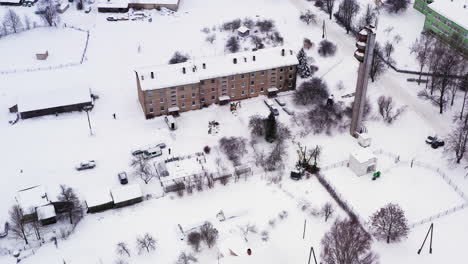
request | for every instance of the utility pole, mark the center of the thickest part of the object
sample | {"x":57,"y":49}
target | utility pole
{"x":323,"y":29}
{"x":431,"y":230}
{"x":364,"y":54}
{"x":89,"y":121}
{"x":310,"y":254}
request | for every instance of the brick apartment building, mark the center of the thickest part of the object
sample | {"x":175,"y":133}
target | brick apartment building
{"x":170,"y":89}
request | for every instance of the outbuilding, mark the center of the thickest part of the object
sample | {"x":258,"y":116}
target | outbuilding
{"x":362,"y":162}
{"x":29,"y":199}
{"x":99,"y":201}
{"x":126,"y":195}
{"x":243,"y":31}
{"x":46,"y":214}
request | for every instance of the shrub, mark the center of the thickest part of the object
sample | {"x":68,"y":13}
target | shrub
{"x":178,"y":57}
{"x":207,"y":149}
{"x":326,"y":48}
{"x":233,"y":44}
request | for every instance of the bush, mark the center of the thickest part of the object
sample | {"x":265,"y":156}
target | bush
{"x":248,"y":22}
{"x":265,"y":25}
{"x":257,"y":41}
{"x":79,"y":5}
{"x":325,"y":118}
{"x":313,"y":69}
{"x":178,"y":57}
{"x":207,"y":149}
{"x":314,"y":91}
{"x":387,"y":109}
{"x":232,"y":25}
{"x":233,"y":44}
{"x":326,"y":48}
{"x":395,"y":6}
{"x":194,"y":240}
{"x":234,"y":148}
{"x":319,"y":3}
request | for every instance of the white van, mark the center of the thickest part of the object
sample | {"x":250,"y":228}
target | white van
{"x":170,"y":121}
{"x":152,"y":152}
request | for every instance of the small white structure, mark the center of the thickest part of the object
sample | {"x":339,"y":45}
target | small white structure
{"x":243,"y":31}
{"x":362,"y":162}
{"x":364,"y":140}
{"x":31,"y":198}
{"x":126,"y":195}
{"x":46,"y":214}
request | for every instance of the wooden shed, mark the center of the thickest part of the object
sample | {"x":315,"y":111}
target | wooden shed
{"x":42,"y":56}
{"x":126,"y":195}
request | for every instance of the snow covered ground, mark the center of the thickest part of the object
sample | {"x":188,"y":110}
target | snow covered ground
{"x":45,"y":150}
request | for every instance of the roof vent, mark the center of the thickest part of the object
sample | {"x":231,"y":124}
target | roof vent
{"x":152,"y":75}
{"x":204,"y":66}
{"x":245,"y":59}
{"x":234,"y":60}
{"x":282,"y":52}
{"x":253,"y":58}
{"x":183,"y":70}
{"x":290,"y":51}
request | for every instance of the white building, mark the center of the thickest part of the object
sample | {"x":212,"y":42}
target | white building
{"x":362,"y":162}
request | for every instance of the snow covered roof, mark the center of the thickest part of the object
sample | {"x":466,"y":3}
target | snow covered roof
{"x":453,"y":10}
{"x":126,"y":193}
{"x":125,"y":3}
{"x":97,"y":198}
{"x":243,"y":29}
{"x":113,"y":4}
{"x":183,"y":168}
{"x":224,"y":98}
{"x":45,"y":212}
{"x":362,"y":155}
{"x":207,"y":68}
{"x":272,"y":89}
{"x":49,"y":99}
{"x":155,"y":2}
{"x":10,"y":1}
{"x":31,"y":198}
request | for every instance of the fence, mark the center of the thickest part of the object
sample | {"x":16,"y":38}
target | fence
{"x":339,"y":164}
{"x":439,"y":215}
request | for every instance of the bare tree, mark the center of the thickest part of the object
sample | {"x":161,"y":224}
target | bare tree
{"x":422,"y":48}
{"x":234,"y":148}
{"x":27,"y":22}
{"x":326,"y":48}
{"x":388,"y":51}
{"x":247,"y":229}
{"x":48,"y":11}
{"x":233,"y":44}
{"x":308,"y":17}
{"x":209,"y":234}
{"x":178,"y":57}
{"x":377,"y":64}
{"x":314,"y":91}
{"x":315,"y":153}
{"x":387,"y":109}
{"x":464,"y":87}
{"x":327,"y":210}
{"x":120,"y":261}
{"x":186,"y":258}
{"x":142,"y":169}
{"x":13,"y":21}
{"x":347,"y":243}
{"x":457,"y":140}
{"x":347,"y":10}
{"x":257,"y":126}
{"x":123,"y":249}
{"x":395,"y":6}
{"x":326,"y":118}
{"x":194,"y":239}
{"x":211,"y":38}
{"x":328,"y":7}
{"x":146,"y":242}
{"x":389,"y":223}
{"x":368,"y":18}
{"x":265,"y":25}
{"x":17,"y":227}
{"x":74,"y":206}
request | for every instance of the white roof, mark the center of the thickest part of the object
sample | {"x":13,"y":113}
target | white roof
{"x":97,"y":198}
{"x":113,"y":4}
{"x":10,"y":1}
{"x":31,"y":198}
{"x":224,"y":98}
{"x":363,"y":155}
{"x":126,"y":193}
{"x":272,"y":89}
{"x":243,"y":29}
{"x":452,"y":10}
{"x":183,"y":168}
{"x":49,"y":99}
{"x":45,"y":212}
{"x":172,"y":75}
{"x":173,"y":109}
{"x":155,"y":2}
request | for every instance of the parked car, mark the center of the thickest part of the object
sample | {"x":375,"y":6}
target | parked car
{"x":268,"y":103}
{"x":288,"y":111}
{"x":280,"y":101}
{"x":296,"y":175}
{"x":111,"y":18}
{"x":170,"y":121}
{"x":137,"y":152}
{"x":90,"y":164}
{"x":435,"y":142}
{"x":275,"y":111}
{"x":123,"y":177}
{"x":87,"y":9}
{"x":161,"y":145}
{"x":152,"y":153}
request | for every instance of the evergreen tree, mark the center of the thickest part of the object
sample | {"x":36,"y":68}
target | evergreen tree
{"x":303,"y":68}
{"x":271,"y":128}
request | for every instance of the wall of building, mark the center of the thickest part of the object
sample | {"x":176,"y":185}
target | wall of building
{"x":195,"y":96}
{"x":172,"y":7}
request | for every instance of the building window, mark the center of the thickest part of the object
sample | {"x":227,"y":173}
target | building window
{"x":290,"y":85}
{"x":213,"y":97}
{"x":162,"y":108}
{"x":173,"y":97}
{"x":290,"y":76}
{"x":150,"y":102}
{"x":149,"y":93}
{"x":232,"y":86}
{"x":291,"y":68}
{"x":151,"y":110}
{"x":203,"y":100}
{"x":202,"y":91}
{"x":252,"y":82}
{"x":181,"y":88}
{"x":173,"y":91}
{"x":252,"y":74}
{"x":243,"y":92}
{"x":202,"y":82}
{"x":183,"y":105}
{"x":281,"y":86}
{"x":193,"y":95}
{"x":261,"y":89}
{"x":233,"y":78}
{"x":243,"y":84}
{"x":174,"y":104}
{"x":193,"y":87}
{"x":252,"y":91}
{"x":263,"y":73}
{"x":224,"y":77}
{"x":243,"y":76}
{"x":213,"y":89}
{"x":273,"y":73}
{"x":161,"y":93}
{"x":281,"y":69}
{"x":193,"y":103}
{"x":182,"y":96}
{"x":161,"y":100}
{"x":281,"y":78}
{"x":212,"y":80}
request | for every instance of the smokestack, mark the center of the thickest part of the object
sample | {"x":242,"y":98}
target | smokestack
{"x":234,"y":60}
{"x":253,"y":58}
{"x":183,"y":70}
{"x":152,"y":75}
{"x":290,"y":51}
{"x":282,"y":52}
{"x":245,"y":59}
{"x":204,"y":66}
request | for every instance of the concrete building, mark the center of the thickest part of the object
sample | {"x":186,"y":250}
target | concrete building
{"x":170,"y":89}
{"x":446,"y":19}
{"x":362,"y":162}
{"x":124,"y":5}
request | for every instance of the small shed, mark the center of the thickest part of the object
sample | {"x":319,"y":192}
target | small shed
{"x":99,"y":201}
{"x":362,"y":162}
{"x":29,"y":199}
{"x":272,"y":92}
{"x":243,"y":31}
{"x":242,"y":170}
{"x":126,"y":195}
{"x":46,"y":214}
{"x":364,"y":140}
{"x":42,"y":56}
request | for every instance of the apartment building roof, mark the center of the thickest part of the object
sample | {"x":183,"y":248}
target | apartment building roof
{"x":163,"y":76}
{"x":455,"y":10}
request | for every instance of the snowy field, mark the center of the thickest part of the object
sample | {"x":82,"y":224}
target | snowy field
{"x":45,"y":150}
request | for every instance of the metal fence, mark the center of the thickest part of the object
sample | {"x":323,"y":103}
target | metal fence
{"x":439,"y":215}
{"x":344,"y":163}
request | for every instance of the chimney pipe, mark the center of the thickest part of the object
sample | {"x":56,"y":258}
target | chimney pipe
{"x":183,"y":70}
{"x":290,"y":51}
{"x":245,"y":59}
{"x":204,"y":66}
{"x":152,"y":75}
{"x":234,"y":60}
{"x":253,"y":58}
{"x":282,"y":52}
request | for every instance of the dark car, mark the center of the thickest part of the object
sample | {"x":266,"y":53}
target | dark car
{"x":274,"y":111}
{"x":123,"y":177}
{"x":434,"y":142}
{"x":111,"y":18}
{"x":296,"y":175}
